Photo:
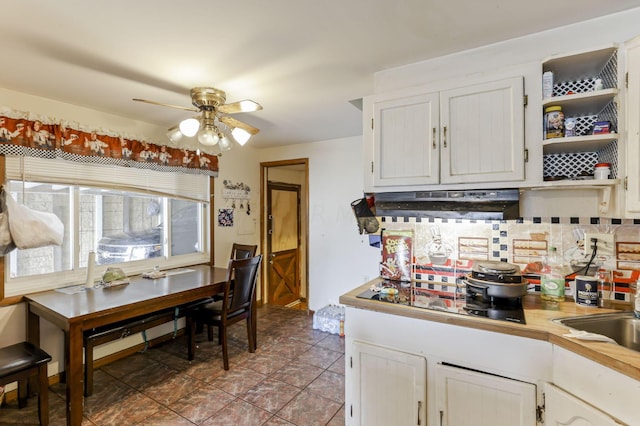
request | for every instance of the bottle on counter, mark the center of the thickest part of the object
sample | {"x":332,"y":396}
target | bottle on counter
{"x":552,"y":279}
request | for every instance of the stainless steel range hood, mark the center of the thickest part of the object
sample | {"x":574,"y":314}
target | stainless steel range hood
{"x":492,"y":204}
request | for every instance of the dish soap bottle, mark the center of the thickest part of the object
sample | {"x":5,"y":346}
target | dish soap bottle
{"x":552,"y":278}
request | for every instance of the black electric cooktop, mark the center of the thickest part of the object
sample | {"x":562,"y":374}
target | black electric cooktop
{"x":460,"y":301}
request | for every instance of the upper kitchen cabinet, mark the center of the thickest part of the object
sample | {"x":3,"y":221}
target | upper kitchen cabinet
{"x":424,"y":137}
{"x":632,"y":195}
{"x":580,"y":117}
{"x":406,"y":146}
{"x":482,"y":132}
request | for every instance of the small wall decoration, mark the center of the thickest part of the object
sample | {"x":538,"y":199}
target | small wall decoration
{"x":238,"y":195}
{"x":225,"y":217}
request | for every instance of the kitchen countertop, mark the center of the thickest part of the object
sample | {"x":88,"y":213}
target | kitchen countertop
{"x":538,"y":315}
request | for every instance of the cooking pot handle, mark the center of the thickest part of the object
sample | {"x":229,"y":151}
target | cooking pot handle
{"x":482,"y":289}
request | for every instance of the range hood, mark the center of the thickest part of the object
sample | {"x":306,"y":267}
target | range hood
{"x":492,"y":204}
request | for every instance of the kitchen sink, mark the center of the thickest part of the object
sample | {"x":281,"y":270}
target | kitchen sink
{"x":623,"y":327}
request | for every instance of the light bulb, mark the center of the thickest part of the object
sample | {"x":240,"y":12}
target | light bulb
{"x":225,"y":143}
{"x":174,"y":134}
{"x":241,"y":135}
{"x":207,"y":136}
{"x":249,"y":106}
{"x":189,"y":127}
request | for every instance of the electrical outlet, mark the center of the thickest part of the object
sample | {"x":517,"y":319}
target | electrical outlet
{"x":606,"y":244}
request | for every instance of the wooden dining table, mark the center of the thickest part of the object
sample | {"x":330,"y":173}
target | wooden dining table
{"x":75,"y":310}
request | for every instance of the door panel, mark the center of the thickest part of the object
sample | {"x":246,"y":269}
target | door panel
{"x":284,"y":286}
{"x":484,"y":140}
{"x":283,"y":243}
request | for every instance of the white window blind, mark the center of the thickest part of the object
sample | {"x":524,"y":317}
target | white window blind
{"x":178,"y":185}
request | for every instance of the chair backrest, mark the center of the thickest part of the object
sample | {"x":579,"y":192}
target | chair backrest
{"x":245,"y":277}
{"x":242,"y":251}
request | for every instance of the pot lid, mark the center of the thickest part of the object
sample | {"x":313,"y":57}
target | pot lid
{"x":496,"y":267}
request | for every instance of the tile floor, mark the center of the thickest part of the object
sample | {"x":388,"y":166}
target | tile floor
{"x":296,"y":377}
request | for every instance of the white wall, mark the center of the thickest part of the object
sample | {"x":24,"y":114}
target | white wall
{"x":588,"y":35}
{"x":240,"y":164}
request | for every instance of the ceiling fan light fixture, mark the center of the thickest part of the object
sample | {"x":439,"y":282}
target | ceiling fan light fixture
{"x":225,"y":143}
{"x":249,"y":106}
{"x":208,"y":136}
{"x":240,"y":135}
{"x":189,"y":127}
{"x":174,"y":134}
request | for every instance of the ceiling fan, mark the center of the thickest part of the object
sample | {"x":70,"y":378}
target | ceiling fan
{"x":210,"y":102}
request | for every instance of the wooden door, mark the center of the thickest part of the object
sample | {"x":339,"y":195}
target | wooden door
{"x":283,"y":241}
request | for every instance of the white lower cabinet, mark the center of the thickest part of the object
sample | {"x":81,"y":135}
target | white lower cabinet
{"x":390,"y":387}
{"x":564,"y":409}
{"x":467,"y":397}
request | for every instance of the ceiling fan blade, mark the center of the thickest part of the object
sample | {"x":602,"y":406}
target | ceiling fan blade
{"x":232,"y":122}
{"x":246,"y":105}
{"x":167,"y":105}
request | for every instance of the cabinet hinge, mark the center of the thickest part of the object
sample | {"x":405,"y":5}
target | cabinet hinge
{"x":350,"y":362}
{"x":626,"y":80}
{"x":526,"y":100}
{"x":626,"y":183}
{"x":351,"y":410}
{"x":372,"y":167}
{"x":540,"y":411}
{"x":372,"y":124}
{"x":526,"y":155}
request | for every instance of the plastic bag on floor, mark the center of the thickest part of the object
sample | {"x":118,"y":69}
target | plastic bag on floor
{"x":328,"y":319}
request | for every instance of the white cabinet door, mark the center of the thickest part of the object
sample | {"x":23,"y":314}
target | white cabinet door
{"x":405,"y":141}
{"x":390,"y":387}
{"x":564,"y":409}
{"x":482,"y":132}
{"x":632,"y":52}
{"x":466,"y":397}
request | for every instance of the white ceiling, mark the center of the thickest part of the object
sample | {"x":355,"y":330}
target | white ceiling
{"x":302,"y":60}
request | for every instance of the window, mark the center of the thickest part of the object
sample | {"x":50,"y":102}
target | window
{"x":131,"y":229}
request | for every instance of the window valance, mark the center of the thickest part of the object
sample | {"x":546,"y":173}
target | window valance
{"x":22,"y":135}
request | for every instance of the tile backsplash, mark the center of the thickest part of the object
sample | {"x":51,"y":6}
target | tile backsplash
{"x":445,"y":249}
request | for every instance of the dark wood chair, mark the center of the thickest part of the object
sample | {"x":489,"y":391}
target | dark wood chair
{"x":233,"y":307}
{"x":243,"y":251}
{"x":17,"y":364}
{"x":238,"y":251}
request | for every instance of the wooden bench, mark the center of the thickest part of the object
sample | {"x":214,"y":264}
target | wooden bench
{"x":122,"y":329}
{"x":17,"y":364}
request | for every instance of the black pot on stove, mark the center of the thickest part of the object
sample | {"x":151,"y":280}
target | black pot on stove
{"x":493,"y":279}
